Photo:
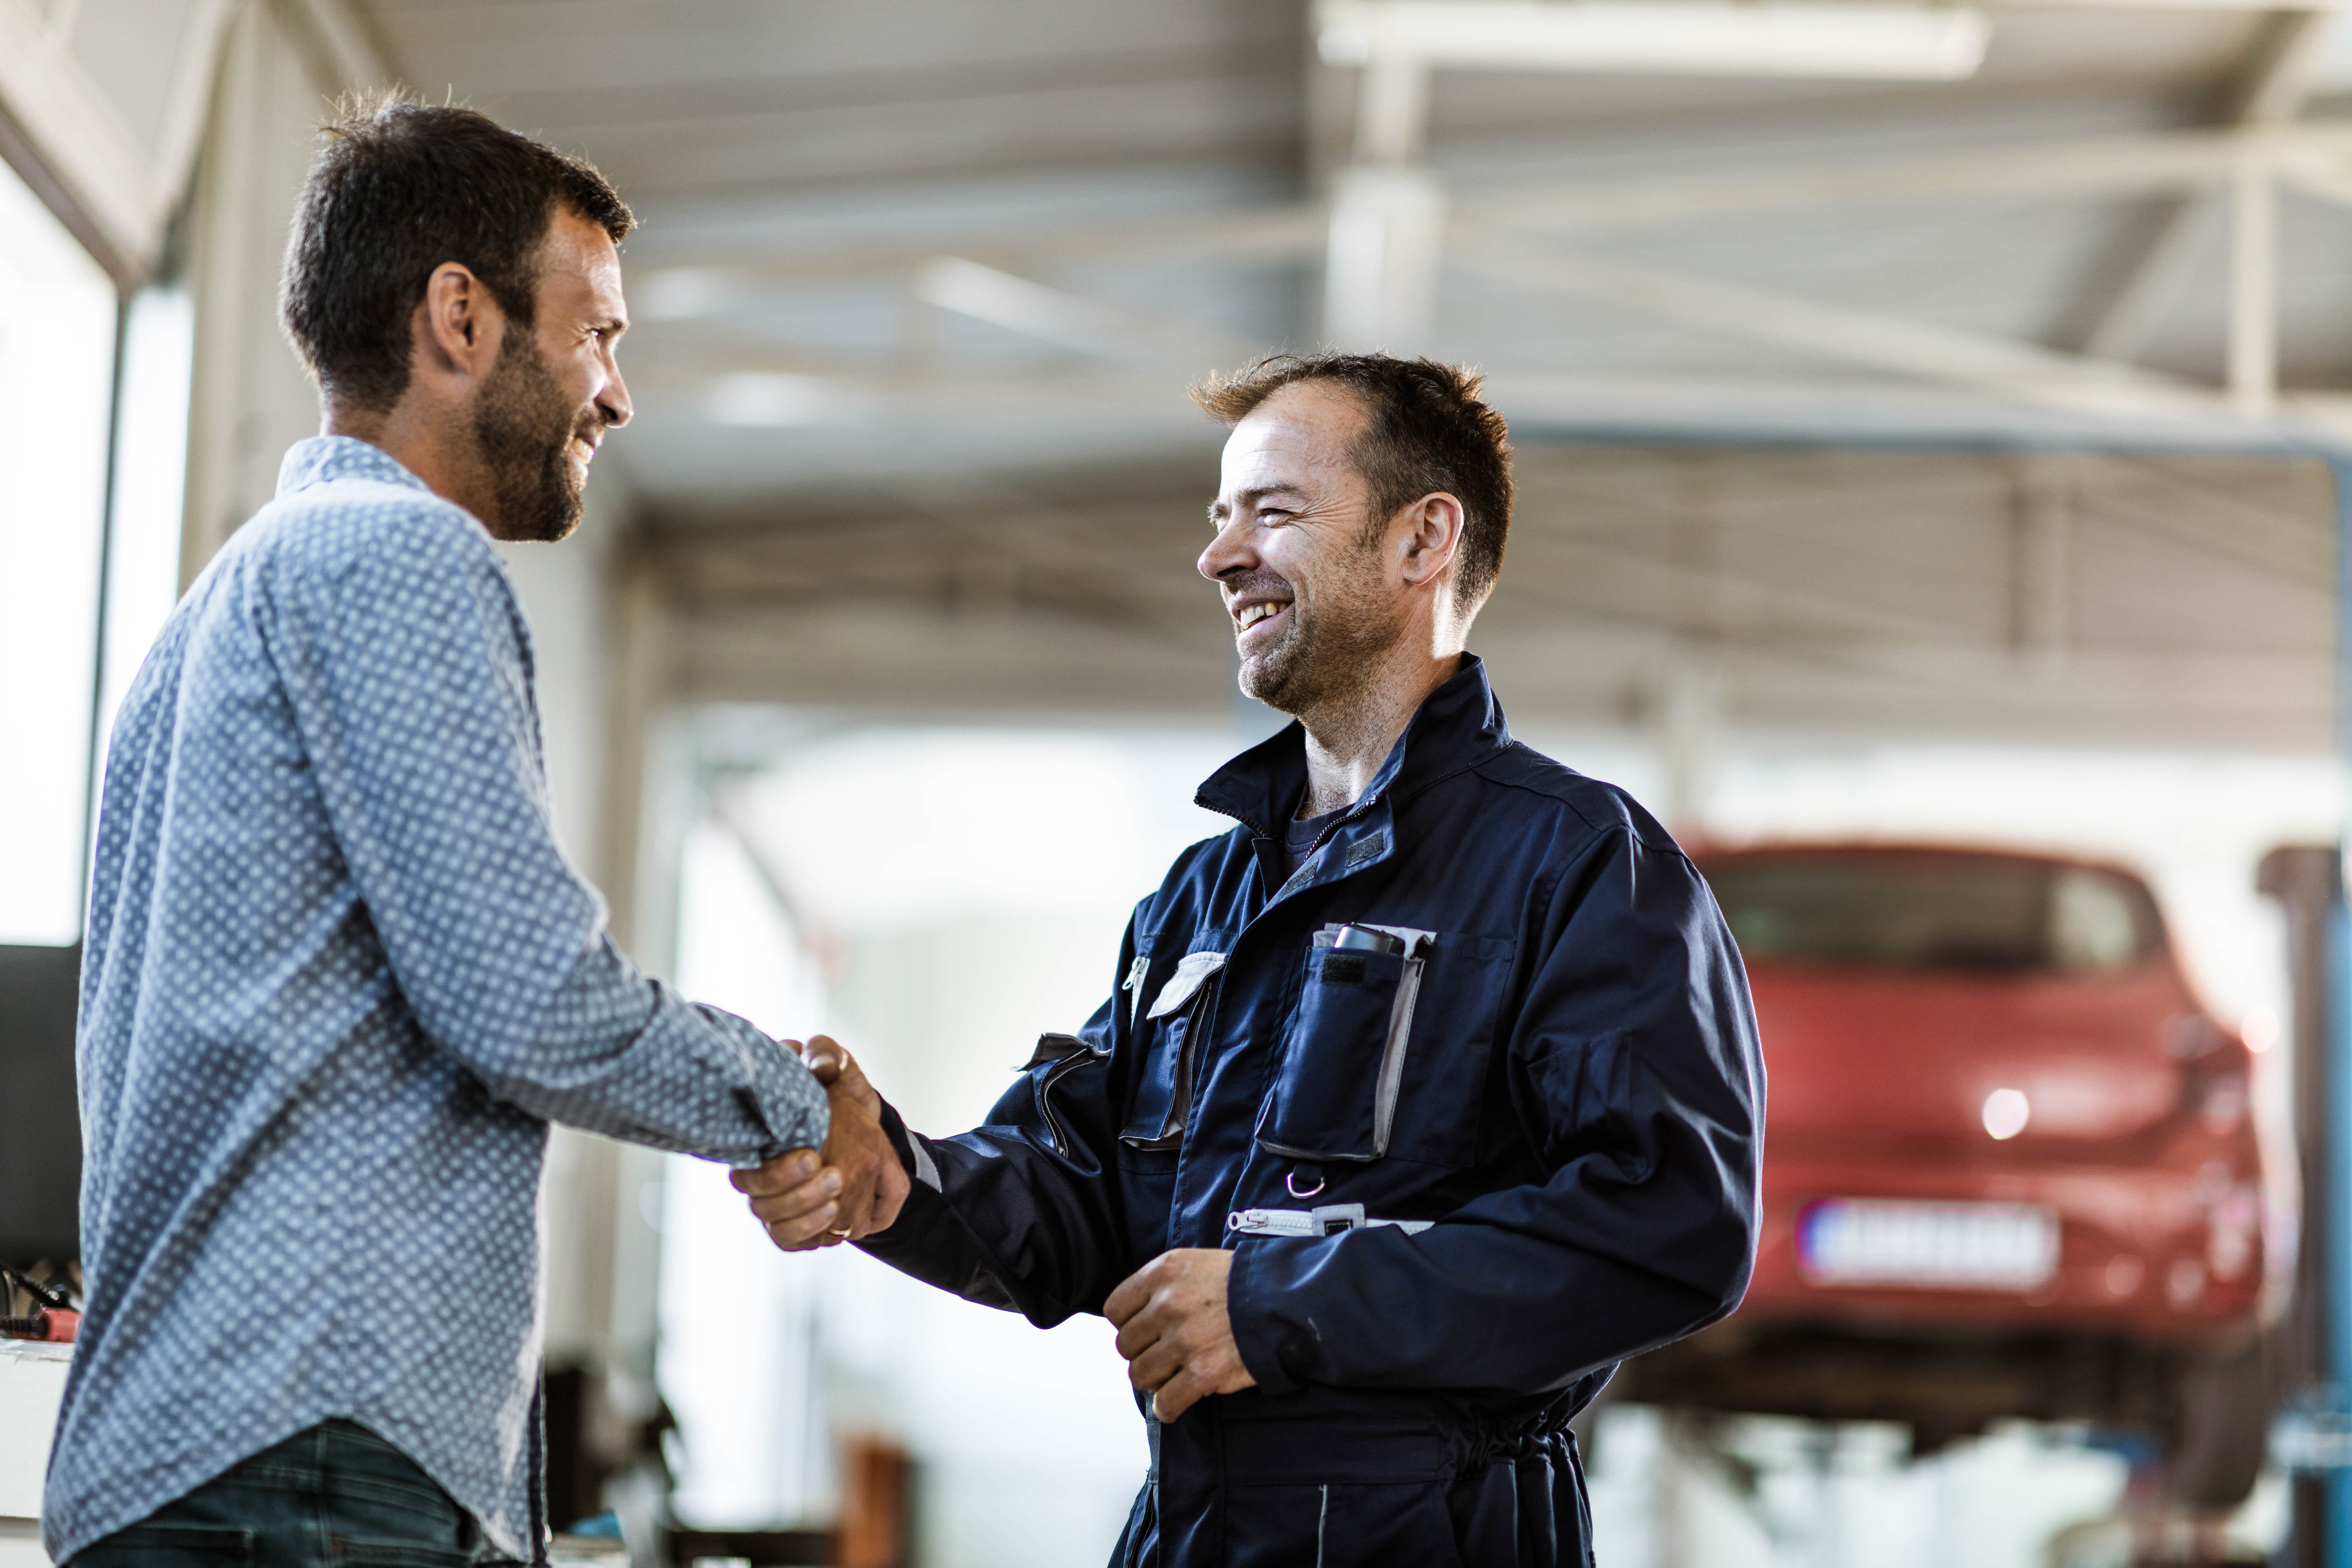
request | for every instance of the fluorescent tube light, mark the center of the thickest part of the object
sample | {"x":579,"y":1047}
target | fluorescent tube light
{"x":768,"y":400}
{"x":1859,"y":41}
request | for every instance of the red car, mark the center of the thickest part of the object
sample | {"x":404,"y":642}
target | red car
{"x":2011,"y":1165}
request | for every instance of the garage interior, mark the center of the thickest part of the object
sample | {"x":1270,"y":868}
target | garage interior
{"x":1933,"y":431}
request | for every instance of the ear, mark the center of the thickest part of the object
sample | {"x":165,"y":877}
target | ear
{"x":1432,"y":537}
{"x":455,"y":335}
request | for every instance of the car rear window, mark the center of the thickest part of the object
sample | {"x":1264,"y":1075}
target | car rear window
{"x":1935,"y":911}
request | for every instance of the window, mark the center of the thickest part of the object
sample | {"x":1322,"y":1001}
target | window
{"x":151,"y":461}
{"x":57,"y":368}
{"x":1897,"y":909}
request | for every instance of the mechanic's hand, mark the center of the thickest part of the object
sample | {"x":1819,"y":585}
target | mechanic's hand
{"x":851,"y":1189}
{"x":1175,"y":1329}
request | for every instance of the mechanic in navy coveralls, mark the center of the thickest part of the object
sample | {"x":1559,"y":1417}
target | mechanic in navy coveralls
{"x":1426,"y":1095}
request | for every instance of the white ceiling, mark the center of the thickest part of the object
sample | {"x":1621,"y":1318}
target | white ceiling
{"x":863,"y":494}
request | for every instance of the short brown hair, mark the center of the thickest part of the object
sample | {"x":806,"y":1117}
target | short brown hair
{"x":1425,"y":429}
{"x":399,"y":188}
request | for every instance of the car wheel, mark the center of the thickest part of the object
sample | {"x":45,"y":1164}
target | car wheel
{"x":2224,"y":1416}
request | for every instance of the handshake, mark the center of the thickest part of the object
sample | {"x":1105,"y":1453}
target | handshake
{"x":1173,"y":1325}
{"x":850,"y":1189}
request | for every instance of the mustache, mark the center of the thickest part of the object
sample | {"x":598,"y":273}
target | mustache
{"x":1259,"y":581}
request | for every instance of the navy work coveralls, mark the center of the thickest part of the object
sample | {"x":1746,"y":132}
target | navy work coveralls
{"x":1559,"y":1075}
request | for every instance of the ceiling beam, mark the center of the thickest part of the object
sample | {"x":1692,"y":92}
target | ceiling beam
{"x":2126,"y":296}
{"x":1661,"y":38}
{"x":1066,"y":319}
{"x":1940,"y":406}
{"x":2023,"y":371}
{"x":2314,"y":157}
{"x":2102,"y":165}
{"x":2271,"y":6}
{"x":1274,"y":231}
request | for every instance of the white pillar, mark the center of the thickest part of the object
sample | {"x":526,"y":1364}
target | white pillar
{"x":2253,"y":291}
{"x":2041,"y":569}
{"x":1689,"y":738}
{"x":1388,"y":219}
{"x":1387,"y":233}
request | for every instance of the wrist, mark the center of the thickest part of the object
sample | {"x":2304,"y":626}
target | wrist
{"x":913,"y":1157}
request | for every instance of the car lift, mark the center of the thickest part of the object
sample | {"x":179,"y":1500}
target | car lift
{"x":2312,"y":1438}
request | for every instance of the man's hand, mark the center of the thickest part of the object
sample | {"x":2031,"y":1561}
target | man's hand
{"x":1175,"y":1329}
{"x":851,"y":1189}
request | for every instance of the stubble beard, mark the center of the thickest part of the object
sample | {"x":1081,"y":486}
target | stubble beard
{"x":1323,"y":661}
{"x":524,"y":428}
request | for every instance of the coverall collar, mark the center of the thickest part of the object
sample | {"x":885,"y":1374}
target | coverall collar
{"x":1457,"y":726}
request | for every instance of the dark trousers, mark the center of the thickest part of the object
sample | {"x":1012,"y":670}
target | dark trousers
{"x":337,"y":1494}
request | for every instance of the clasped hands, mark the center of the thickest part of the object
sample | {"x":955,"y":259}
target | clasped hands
{"x":1173,"y":1325}
{"x":850,"y":1189}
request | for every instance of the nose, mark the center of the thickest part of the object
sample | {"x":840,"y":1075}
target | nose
{"x":613,"y":401}
{"x":1227,"y":553}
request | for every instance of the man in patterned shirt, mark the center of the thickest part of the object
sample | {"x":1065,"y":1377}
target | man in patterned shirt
{"x":338,"y":976}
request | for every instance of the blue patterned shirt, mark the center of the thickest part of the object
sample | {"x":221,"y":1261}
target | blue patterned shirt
{"x":338,"y":980}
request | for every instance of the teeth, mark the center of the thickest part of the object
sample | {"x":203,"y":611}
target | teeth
{"x":1257,"y":613}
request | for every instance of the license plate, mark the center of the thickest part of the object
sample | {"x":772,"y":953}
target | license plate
{"x":1965,"y":1246}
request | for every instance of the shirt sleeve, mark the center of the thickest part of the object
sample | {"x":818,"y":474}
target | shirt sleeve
{"x":623,"y":1055}
{"x":1634,"y":1071}
{"x":405,"y":662}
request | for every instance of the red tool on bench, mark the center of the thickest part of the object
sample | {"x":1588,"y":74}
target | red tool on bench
{"x":52,"y":1318}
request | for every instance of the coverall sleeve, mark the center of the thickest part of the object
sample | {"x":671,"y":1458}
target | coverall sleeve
{"x":1023,"y":1212}
{"x":1636,"y":1075}
{"x":405,"y":663}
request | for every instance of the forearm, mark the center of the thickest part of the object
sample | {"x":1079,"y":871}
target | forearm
{"x":617,"y":1053}
{"x":996,"y":1219}
{"x":1526,"y":1289}
{"x":929,"y":1241}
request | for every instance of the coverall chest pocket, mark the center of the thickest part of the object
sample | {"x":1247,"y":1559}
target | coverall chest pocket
{"x":1334,"y":1095}
{"x":1170,"y":1035}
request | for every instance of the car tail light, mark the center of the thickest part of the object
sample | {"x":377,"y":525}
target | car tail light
{"x":2222,"y":1099}
{"x":2214,"y":1085}
{"x":2234,"y":1227}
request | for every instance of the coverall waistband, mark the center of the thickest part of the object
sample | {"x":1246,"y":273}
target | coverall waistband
{"x":1263,"y":1452}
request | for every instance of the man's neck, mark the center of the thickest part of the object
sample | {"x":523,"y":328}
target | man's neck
{"x":431,"y":444}
{"x":1349,"y":738}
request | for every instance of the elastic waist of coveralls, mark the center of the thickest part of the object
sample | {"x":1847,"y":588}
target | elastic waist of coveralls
{"x":1363,"y":1435}
{"x":1316,"y":1450}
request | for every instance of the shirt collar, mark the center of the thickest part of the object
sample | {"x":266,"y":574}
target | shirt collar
{"x":1457,"y":726}
{"x":324,"y":459}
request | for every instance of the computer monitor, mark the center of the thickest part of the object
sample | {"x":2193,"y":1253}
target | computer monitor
{"x":40,"y":1120}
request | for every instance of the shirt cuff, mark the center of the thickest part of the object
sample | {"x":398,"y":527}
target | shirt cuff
{"x":910,"y":1145}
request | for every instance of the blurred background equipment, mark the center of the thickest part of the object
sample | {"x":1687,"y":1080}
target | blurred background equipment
{"x":32,"y":1385}
{"x":39,"y":1309}
{"x":40,"y":1121}
{"x":1931,"y":426}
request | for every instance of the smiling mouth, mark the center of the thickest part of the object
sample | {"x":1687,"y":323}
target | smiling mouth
{"x":1252,"y":615}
